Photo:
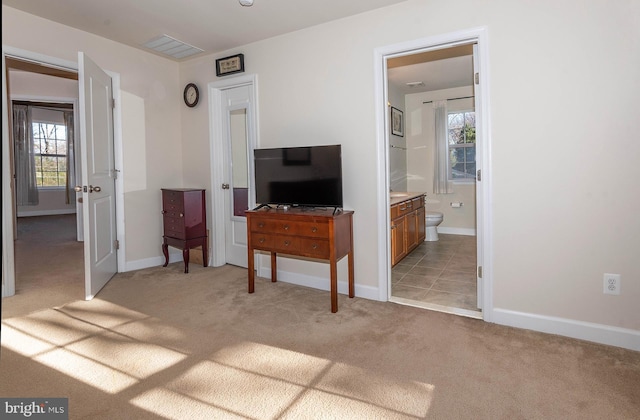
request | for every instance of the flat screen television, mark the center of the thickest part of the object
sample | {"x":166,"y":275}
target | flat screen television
{"x":299,"y":176}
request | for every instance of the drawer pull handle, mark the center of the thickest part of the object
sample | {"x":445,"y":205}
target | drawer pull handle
{"x":403,"y":208}
{"x":287,"y":243}
{"x":286,"y":227}
{"x":261,"y":240}
{"x":314,"y":229}
{"x":314,"y":246}
{"x":164,"y":212}
{"x":181,"y":215}
{"x":260,"y":225}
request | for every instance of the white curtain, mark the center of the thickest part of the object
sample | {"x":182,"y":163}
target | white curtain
{"x":71,"y":172}
{"x":442,"y":174}
{"x":24,"y":160}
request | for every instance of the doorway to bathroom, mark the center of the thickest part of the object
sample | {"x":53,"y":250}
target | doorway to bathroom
{"x":450,"y":274}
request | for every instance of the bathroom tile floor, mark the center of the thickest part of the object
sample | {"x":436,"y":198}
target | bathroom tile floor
{"x":441,"y":273}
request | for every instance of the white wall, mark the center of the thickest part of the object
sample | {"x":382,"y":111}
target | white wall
{"x":151,"y":134}
{"x":563,"y":94}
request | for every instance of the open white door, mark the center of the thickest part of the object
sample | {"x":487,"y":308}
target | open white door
{"x":98,"y":175}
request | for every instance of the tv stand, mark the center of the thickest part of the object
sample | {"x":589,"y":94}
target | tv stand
{"x":320,"y":234}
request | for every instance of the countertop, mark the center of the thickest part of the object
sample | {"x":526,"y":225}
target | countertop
{"x":400,"y":196}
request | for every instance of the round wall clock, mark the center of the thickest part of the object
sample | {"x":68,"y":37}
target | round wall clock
{"x":191,"y":95}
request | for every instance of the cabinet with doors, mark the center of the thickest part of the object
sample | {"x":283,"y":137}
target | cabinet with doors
{"x":185,"y":223}
{"x":407,"y":225}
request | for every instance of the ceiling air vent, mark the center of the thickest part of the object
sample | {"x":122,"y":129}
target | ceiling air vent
{"x":172,"y":47}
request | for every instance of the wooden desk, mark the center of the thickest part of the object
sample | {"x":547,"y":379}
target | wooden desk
{"x":306,"y":233}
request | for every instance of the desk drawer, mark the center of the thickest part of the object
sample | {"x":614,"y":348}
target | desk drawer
{"x":308,"y":229}
{"x":260,"y":241}
{"x":315,"y":248}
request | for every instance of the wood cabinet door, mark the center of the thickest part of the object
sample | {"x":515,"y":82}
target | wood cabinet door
{"x":398,"y":240}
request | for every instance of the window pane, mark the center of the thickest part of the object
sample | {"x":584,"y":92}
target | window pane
{"x":456,"y":136}
{"x":462,"y":149}
{"x":456,"y":120}
{"x":50,"y":147}
{"x":61,"y":147}
{"x":470,"y":155}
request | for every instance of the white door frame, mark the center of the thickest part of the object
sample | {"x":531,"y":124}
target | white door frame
{"x":8,"y":214}
{"x":218,"y":138}
{"x":474,"y":35}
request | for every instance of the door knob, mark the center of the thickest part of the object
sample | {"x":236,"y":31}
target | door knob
{"x":77,"y":188}
{"x":225,"y":186}
{"x":96,"y":188}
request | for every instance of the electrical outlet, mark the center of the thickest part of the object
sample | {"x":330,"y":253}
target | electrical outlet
{"x":611,"y":284}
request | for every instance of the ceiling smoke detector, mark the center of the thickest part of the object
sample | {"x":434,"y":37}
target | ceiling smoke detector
{"x":415,"y":84}
{"x":246,"y":2}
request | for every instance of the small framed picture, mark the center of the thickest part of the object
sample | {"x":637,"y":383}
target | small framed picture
{"x":397,"y":123}
{"x":230,"y":65}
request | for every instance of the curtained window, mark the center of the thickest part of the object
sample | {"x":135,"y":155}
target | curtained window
{"x":44,"y":151}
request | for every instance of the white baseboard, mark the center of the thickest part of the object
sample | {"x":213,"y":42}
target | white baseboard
{"x":320,"y":283}
{"x":45,"y":212}
{"x":456,"y":231}
{"x":598,"y":333}
{"x":152,"y":262}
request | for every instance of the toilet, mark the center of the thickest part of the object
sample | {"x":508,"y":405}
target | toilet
{"x":433,"y":219}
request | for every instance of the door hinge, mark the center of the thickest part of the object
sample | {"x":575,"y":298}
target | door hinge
{"x":113,"y":101}
{"x":476,"y":77}
{"x":479,"y":175}
{"x":116,"y":244}
{"x":114,"y":173}
{"x":479,"y":271}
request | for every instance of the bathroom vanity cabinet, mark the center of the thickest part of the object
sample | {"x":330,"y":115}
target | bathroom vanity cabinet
{"x":407,"y":224}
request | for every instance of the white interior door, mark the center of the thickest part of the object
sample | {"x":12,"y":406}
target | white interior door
{"x":98,"y":175}
{"x":237,"y":171}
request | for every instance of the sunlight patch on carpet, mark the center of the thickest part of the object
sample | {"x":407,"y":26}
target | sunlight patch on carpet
{"x":291,"y":366}
{"x":88,"y":371}
{"x":250,"y":379}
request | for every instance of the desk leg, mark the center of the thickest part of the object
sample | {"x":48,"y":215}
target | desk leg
{"x":274,"y":269}
{"x":250,"y":270}
{"x":165,"y":251}
{"x":351,"y":281}
{"x":205,"y":252}
{"x":334,"y":285}
{"x":185,"y":258}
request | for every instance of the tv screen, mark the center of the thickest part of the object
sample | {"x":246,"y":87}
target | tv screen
{"x":299,"y":176}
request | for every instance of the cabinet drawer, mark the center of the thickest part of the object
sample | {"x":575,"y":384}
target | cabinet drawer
{"x":172,"y":200}
{"x":308,"y":229}
{"x":173,"y":213}
{"x":174,"y":227}
{"x":286,"y":244}
{"x":260,"y":241}
{"x":316,"y":248}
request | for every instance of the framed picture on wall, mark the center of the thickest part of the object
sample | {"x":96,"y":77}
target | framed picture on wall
{"x":397,"y":123}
